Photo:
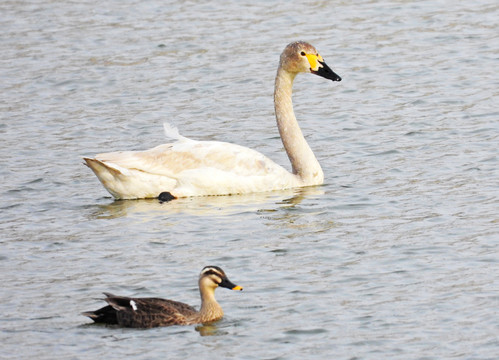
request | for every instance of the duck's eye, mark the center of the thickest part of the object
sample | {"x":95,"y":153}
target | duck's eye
{"x":303,"y":53}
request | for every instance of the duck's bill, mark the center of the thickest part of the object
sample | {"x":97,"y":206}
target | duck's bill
{"x":326,"y":72}
{"x":226,"y":283}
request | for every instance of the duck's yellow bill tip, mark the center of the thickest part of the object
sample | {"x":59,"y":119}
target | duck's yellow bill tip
{"x":237,"y":287}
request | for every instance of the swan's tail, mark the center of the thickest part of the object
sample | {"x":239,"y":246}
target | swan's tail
{"x":100,"y":167}
{"x":132,"y":183}
{"x":110,"y":175}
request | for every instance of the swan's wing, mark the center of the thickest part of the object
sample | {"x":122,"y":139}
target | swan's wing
{"x":172,"y":160}
{"x":172,"y":132}
{"x":190,"y":168}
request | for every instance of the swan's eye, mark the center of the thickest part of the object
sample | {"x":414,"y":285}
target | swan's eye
{"x":302,"y":53}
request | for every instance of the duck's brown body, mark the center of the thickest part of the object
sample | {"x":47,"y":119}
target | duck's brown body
{"x":153,"y":312}
{"x":150,"y":312}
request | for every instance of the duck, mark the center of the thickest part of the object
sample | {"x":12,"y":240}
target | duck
{"x":133,"y":312}
{"x":187,"y":167}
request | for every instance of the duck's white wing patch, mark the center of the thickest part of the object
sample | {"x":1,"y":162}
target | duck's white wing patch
{"x":133,"y":304}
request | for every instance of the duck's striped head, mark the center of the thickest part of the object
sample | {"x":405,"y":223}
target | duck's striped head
{"x":218,"y":278}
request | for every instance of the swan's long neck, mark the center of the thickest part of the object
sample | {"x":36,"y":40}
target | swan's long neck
{"x":303,"y":160}
{"x":210,"y":308}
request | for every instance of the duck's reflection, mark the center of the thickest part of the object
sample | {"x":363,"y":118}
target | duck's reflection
{"x":210,"y":330}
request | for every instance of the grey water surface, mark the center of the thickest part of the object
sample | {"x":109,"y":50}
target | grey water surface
{"x":394,"y":257}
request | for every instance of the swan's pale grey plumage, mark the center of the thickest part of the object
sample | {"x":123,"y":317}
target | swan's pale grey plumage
{"x":195,"y":168}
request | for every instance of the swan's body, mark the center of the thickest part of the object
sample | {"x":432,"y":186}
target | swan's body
{"x":153,"y":312}
{"x":196,"y":168}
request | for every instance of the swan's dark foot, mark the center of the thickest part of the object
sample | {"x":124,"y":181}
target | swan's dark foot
{"x":166,"y":196}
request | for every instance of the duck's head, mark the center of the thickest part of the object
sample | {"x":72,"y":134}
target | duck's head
{"x":213,"y":276}
{"x":300,"y":56}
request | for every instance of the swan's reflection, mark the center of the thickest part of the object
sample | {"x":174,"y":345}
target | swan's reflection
{"x":207,"y":205}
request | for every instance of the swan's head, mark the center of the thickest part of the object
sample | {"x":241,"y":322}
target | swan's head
{"x":300,"y":56}
{"x":212,"y":277}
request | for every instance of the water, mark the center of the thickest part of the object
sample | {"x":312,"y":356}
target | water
{"x":394,"y":257}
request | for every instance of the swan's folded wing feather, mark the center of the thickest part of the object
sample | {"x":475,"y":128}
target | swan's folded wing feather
{"x":173,"y":159}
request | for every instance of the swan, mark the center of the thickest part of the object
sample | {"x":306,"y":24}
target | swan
{"x":197,"y":168}
{"x":152,"y":312}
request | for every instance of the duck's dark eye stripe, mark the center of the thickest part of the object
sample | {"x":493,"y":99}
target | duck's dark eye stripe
{"x":213,"y":272}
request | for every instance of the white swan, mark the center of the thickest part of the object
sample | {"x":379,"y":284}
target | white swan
{"x":195,"y":168}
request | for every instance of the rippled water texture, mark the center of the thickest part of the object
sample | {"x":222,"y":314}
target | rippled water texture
{"x":396,"y":256}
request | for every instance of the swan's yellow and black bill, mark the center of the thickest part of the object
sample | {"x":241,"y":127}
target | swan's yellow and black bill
{"x":319,"y":67}
{"x":326,"y":72}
